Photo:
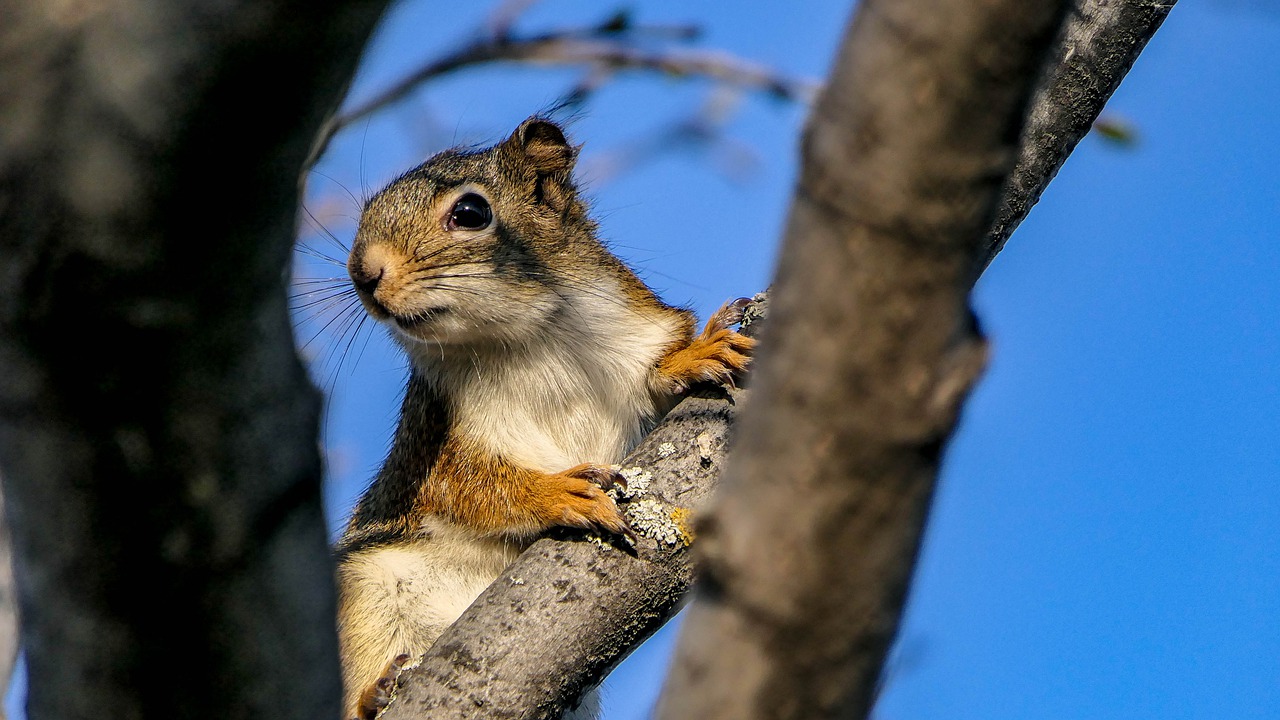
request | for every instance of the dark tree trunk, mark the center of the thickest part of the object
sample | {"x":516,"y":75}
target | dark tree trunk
{"x":157,"y":430}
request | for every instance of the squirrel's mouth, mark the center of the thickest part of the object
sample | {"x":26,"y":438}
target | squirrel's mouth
{"x":419,"y":318}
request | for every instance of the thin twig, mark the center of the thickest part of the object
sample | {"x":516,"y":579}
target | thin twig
{"x":607,"y":47}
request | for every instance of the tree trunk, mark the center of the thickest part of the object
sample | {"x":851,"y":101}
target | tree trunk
{"x":157,"y":430}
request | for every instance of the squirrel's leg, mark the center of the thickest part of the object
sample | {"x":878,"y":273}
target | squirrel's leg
{"x":395,"y":598}
{"x":493,"y":496}
{"x":717,"y":355}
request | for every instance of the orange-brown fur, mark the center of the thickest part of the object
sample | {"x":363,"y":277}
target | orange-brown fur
{"x":716,"y":355}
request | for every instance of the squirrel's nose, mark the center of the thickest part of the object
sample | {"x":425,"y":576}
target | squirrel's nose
{"x":366,"y":278}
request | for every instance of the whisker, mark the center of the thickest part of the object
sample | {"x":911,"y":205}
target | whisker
{"x":331,"y":299}
{"x":323,"y":290}
{"x":326,"y":232}
{"x":312,"y":286}
{"x":364,"y":183}
{"x":317,"y":281}
{"x":453,"y":289}
{"x":575,"y":282}
{"x":347,"y":308}
{"x":306,"y":249}
{"x":352,"y":321}
{"x":327,"y":367}
{"x":329,"y":290}
{"x":367,"y":337}
{"x":345,"y":189}
{"x":316,"y":315}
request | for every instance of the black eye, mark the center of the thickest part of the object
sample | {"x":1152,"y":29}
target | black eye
{"x":470,"y":212}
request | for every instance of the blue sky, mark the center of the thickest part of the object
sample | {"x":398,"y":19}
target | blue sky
{"x":1105,"y":541}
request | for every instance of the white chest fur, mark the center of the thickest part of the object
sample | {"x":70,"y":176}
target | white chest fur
{"x":578,"y":391}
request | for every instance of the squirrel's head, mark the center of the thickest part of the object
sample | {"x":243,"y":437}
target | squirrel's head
{"x":475,"y":246}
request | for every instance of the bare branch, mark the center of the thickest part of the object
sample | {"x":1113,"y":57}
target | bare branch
{"x":566,"y":612}
{"x":504,"y":17}
{"x":609,"y":48}
{"x":1099,"y":43}
{"x":701,"y":131}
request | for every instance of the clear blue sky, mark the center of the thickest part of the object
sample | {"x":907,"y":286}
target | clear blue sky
{"x":1106,"y":537}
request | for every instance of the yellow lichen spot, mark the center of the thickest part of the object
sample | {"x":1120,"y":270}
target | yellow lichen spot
{"x":683,"y":518}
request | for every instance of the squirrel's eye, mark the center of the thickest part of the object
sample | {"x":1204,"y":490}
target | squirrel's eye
{"x":470,"y":212}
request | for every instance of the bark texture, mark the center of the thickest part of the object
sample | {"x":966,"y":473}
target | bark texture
{"x":1098,"y":44}
{"x":870,"y":351}
{"x":157,"y":430}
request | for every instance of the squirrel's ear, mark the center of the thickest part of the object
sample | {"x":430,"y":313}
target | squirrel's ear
{"x":542,"y":144}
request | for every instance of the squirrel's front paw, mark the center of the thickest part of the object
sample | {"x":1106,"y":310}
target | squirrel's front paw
{"x":718,"y":355}
{"x":580,"y":500}
{"x":377,"y":696}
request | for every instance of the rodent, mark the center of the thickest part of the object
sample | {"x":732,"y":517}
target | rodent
{"x":537,"y":359}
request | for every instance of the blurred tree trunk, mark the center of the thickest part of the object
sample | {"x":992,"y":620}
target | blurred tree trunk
{"x":157,"y":429}
{"x":871,"y":349}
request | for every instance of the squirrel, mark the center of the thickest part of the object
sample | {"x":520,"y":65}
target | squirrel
{"x":537,"y":359}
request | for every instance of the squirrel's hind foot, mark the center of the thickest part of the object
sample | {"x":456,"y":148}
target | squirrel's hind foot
{"x":377,"y":696}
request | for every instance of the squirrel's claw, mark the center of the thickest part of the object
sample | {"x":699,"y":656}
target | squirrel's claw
{"x":602,"y":476}
{"x":377,"y":696}
{"x":583,"y":502}
{"x":728,"y":315}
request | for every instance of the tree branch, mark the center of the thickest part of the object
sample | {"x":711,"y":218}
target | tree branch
{"x":567,"y":612}
{"x":1098,"y":44}
{"x":157,"y":430}
{"x":608,"y":48}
